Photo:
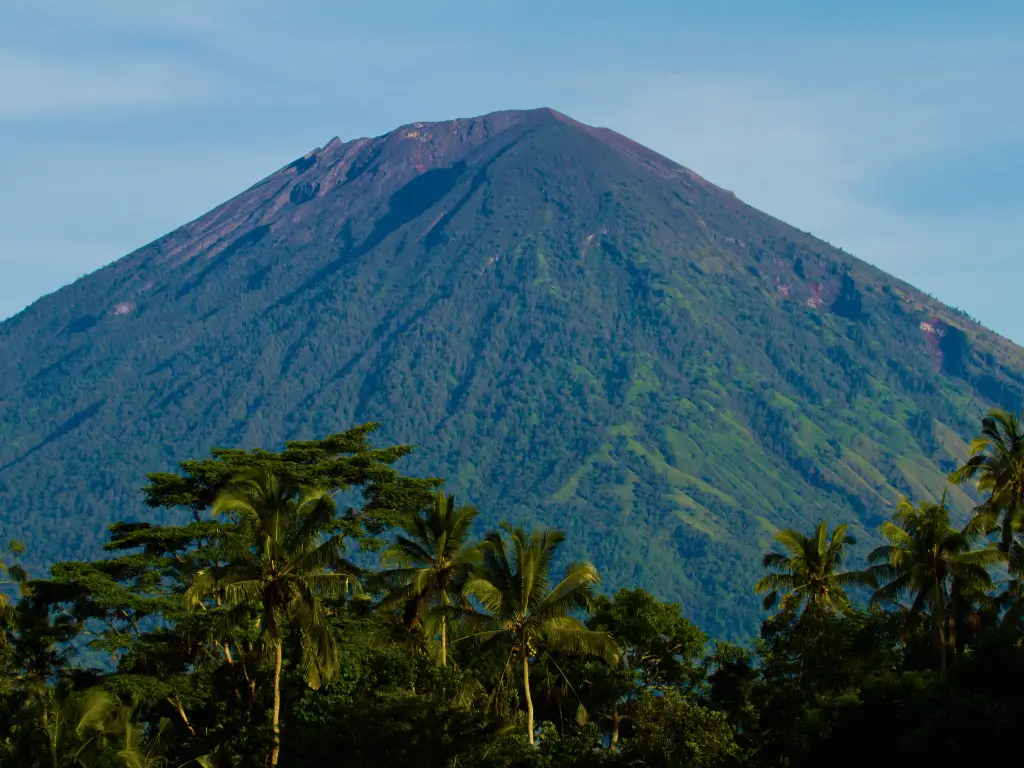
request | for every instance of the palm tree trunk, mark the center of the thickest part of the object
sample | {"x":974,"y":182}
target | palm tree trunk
{"x":943,"y":645}
{"x":1010,"y":520}
{"x":940,"y":625}
{"x":176,"y":702}
{"x":444,"y":642}
{"x":529,"y":699}
{"x":51,"y":737}
{"x":616,"y":720}
{"x":954,"y":641}
{"x":276,"y":750}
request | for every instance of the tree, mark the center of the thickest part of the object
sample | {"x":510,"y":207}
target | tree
{"x":154,"y":564}
{"x":660,"y":648}
{"x":64,"y":728}
{"x":930,"y":560}
{"x":997,"y":465}
{"x":731,"y":676}
{"x":17,"y":576}
{"x":522,"y":610}
{"x":281,"y":561}
{"x":671,"y":730}
{"x":195,"y":666}
{"x":139,"y":749}
{"x":1011,"y":600}
{"x":435,"y":563}
{"x":338,"y":462}
{"x":809,"y":575}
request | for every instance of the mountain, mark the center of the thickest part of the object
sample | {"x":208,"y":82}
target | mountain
{"x":575,"y":330}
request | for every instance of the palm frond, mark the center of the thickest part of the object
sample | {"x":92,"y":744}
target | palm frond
{"x":560,"y":635}
{"x":490,"y":595}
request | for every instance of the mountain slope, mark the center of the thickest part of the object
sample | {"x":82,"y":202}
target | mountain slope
{"x":575,"y":330}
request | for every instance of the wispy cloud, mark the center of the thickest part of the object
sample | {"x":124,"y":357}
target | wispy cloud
{"x":32,"y":86}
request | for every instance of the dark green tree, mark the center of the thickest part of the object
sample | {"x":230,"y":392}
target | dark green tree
{"x":341,"y":462}
{"x":62,"y":727}
{"x":672,"y":730}
{"x":731,"y":678}
{"x":199,"y":666}
{"x":661,"y":650}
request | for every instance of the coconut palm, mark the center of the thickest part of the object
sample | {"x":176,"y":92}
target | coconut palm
{"x":809,"y":574}
{"x":932,"y":562}
{"x":522,"y":610}
{"x":280,"y":562}
{"x":997,"y":465}
{"x":434,"y":563}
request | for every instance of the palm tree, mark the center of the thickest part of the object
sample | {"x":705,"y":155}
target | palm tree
{"x":929,"y":559}
{"x":435,"y":563}
{"x":71,"y":727}
{"x":809,"y":575}
{"x":522,"y":610}
{"x":281,"y":560}
{"x":1011,"y":600}
{"x":997,"y":464}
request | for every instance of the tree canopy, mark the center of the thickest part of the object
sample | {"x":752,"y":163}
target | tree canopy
{"x":248,"y":636}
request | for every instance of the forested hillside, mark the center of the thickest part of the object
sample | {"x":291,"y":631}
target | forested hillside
{"x":574,"y":331}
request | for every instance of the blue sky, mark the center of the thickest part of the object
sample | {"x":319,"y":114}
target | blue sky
{"x":894,"y":130}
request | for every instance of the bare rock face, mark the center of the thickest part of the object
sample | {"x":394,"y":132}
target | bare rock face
{"x":575,"y":330}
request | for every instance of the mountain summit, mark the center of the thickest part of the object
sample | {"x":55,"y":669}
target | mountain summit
{"x":575,"y":330}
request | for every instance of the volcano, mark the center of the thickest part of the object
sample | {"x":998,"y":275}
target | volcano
{"x":575,"y":331}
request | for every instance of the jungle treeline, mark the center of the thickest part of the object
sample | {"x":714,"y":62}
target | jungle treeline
{"x":316,"y":607}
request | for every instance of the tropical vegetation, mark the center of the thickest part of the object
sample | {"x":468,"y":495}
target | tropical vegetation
{"x":315,"y":606}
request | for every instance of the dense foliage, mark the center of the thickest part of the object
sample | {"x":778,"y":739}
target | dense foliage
{"x":576,"y":332}
{"x":249,"y":636}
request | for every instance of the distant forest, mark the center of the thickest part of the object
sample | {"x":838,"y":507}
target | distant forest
{"x":321,"y":608}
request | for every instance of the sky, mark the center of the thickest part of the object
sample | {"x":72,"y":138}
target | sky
{"x":894,"y":130}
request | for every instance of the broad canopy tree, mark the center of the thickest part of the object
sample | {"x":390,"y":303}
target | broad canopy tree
{"x":262,"y":548}
{"x":661,"y":651}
